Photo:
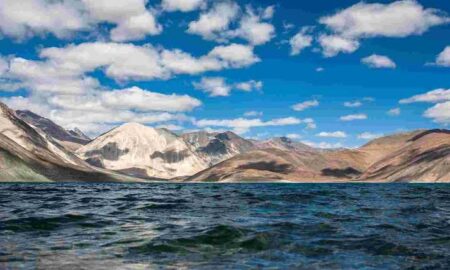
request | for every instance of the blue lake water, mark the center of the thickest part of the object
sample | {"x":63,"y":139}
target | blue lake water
{"x":231,"y":226}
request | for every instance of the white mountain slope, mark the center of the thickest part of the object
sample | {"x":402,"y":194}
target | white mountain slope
{"x":139,"y":150}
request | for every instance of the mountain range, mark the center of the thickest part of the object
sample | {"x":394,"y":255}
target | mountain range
{"x":34,"y":148}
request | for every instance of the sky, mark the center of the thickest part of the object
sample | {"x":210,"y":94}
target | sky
{"x":327,"y":73}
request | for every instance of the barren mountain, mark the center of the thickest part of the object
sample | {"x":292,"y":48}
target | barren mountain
{"x":425,"y":157}
{"x":71,"y":139}
{"x":414,"y":156}
{"x":27,"y":154}
{"x":217,"y":147}
{"x":284,"y":143}
{"x":143,"y":151}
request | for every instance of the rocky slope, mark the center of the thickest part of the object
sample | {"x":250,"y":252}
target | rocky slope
{"x":71,"y":139}
{"x":143,"y":151}
{"x":28,"y":154}
{"x":415,"y":156}
{"x":284,"y":143}
{"x":217,"y":147}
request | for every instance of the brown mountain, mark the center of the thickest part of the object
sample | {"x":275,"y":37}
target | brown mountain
{"x":415,"y":156}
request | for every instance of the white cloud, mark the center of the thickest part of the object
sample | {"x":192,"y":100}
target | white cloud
{"x":217,"y":86}
{"x":300,"y":41}
{"x":183,"y":5}
{"x":443,"y":59}
{"x":214,"y":21}
{"x":214,"y":24}
{"x":394,"y":112}
{"x":138,"y":99}
{"x":323,"y":145}
{"x":352,"y":117}
{"x":235,"y":55}
{"x":378,"y":61}
{"x":253,"y":29}
{"x":305,"y":105}
{"x":294,"y":136}
{"x":26,"y":18}
{"x":367,"y":20}
{"x":335,"y":134}
{"x":310,"y":124}
{"x":249,"y":86}
{"x":369,"y":136}
{"x":353,"y":104}
{"x":434,"y":96}
{"x":243,"y":125}
{"x":333,"y":45}
{"x":253,"y":114}
{"x":396,"y":19}
{"x":64,"y":70}
{"x":440,"y":113}
{"x":320,"y":69}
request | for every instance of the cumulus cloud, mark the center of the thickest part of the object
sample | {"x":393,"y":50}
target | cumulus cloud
{"x":367,"y":20}
{"x":394,"y":112}
{"x":217,"y":86}
{"x":333,"y":45}
{"x":378,"y":61}
{"x":335,"y":134}
{"x":182,"y":5}
{"x":243,"y":125}
{"x":252,"y":27}
{"x":234,"y":55}
{"x":300,"y":41}
{"x":439,"y":113}
{"x":305,"y":105}
{"x":214,"y":86}
{"x":396,"y":19}
{"x":214,"y":21}
{"x":369,"y":136}
{"x":26,"y":18}
{"x":133,"y":21}
{"x":352,"y":117}
{"x":434,"y":96}
{"x":65,"y":70}
{"x":443,"y":59}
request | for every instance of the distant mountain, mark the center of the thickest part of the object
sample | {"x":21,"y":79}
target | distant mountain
{"x":72,"y":139}
{"x":28,"y":154}
{"x":217,"y":147}
{"x":284,"y":143}
{"x":415,"y":156}
{"x":143,"y":151}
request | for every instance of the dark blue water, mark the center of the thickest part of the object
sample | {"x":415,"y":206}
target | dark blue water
{"x":232,"y":226}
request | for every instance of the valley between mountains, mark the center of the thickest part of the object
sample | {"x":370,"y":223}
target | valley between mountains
{"x":35,"y":149}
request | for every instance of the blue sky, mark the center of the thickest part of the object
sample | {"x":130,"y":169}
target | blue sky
{"x":180,"y":65}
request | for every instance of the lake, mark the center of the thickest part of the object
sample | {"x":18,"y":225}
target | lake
{"x":224,"y":226}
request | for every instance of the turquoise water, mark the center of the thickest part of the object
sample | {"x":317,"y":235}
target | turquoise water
{"x":224,"y":226}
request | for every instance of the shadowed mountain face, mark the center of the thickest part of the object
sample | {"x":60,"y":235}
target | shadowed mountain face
{"x":217,"y":147}
{"x":28,"y":154}
{"x":72,"y":139}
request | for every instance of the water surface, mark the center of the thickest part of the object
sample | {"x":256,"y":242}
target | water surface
{"x":232,"y":226}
